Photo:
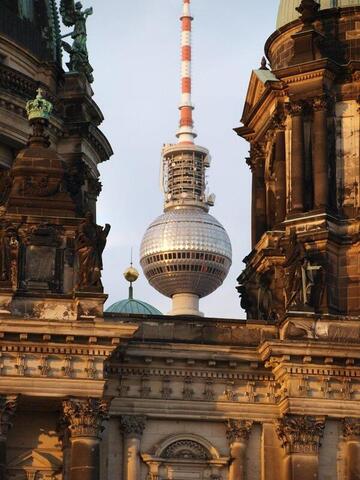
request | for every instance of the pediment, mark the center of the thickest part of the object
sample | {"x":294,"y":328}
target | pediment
{"x":257,"y":86}
{"x":36,"y":460}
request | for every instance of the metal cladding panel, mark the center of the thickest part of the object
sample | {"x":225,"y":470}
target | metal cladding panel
{"x":186,"y":250}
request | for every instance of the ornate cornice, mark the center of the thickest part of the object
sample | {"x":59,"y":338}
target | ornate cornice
{"x":132,"y":425}
{"x":8,"y":406}
{"x":351,"y":428}
{"x":238,"y":430}
{"x":300,"y":434}
{"x":85,"y":417}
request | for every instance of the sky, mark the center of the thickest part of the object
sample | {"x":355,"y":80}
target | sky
{"x":134,"y":47}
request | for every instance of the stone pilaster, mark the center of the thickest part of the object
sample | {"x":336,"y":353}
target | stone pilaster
{"x":238,"y":432}
{"x":297,"y":157}
{"x":320,"y":153}
{"x":85,"y":423}
{"x":257,"y":166}
{"x":300,"y":437}
{"x":132,"y":427}
{"x":8,"y":405}
{"x":351,"y":434}
{"x":280,"y":168}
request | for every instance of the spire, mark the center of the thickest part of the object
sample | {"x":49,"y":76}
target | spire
{"x":186,"y":132}
{"x":131,"y":275}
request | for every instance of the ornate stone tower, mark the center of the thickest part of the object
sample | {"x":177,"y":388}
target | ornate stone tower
{"x":53,"y":336}
{"x":302,"y":121}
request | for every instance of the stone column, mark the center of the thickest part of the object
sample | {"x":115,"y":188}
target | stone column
{"x":300,"y":436}
{"x":8,"y":405}
{"x":280,"y":175}
{"x":258,"y":209}
{"x":132,"y":427}
{"x":297,"y":158}
{"x":351,"y":434}
{"x":238,"y":432}
{"x":320,"y":153}
{"x":84,"y":419}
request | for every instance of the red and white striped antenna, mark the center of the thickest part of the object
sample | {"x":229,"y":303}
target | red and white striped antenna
{"x":186,"y":132}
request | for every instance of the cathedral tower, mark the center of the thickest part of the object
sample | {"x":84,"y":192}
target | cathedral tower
{"x":186,"y":253}
{"x":302,"y":121}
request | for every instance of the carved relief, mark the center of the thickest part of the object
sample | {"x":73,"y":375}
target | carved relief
{"x":188,"y":391}
{"x":85,"y":417}
{"x":166,"y":391}
{"x":209,"y":394}
{"x":300,"y":434}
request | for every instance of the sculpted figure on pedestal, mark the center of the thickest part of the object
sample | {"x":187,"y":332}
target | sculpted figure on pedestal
{"x":304,"y":282}
{"x":73,"y":15}
{"x":89,"y":246}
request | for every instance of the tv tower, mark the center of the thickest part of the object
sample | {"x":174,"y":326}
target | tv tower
{"x":186,"y":253}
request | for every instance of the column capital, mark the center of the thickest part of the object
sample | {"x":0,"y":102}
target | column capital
{"x":321,"y":103}
{"x":296,"y":108}
{"x":238,"y":430}
{"x":8,"y":406}
{"x":133,"y":425}
{"x":351,"y":428}
{"x":85,"y":417}
{"x":301,"y":434}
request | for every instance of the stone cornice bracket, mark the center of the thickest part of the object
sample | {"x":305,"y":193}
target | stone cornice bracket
{"x":238,"y":430}
{"x":351,"y":428}
{"x":85,"y":417}
{"x":301,"y":434}
{"x":8,"y":406}
{"x":132,"y":425}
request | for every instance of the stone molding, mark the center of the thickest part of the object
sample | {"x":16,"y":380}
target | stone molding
{"x":132,"y":425}
{"x":238,"y":430}
{"x":351,"y":428}
{"x":8,"y":406}
{"x":301,"y":434}
{"x":85,"y":417}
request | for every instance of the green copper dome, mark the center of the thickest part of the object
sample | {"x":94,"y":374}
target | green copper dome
{"x":133,"y":306}
{"x":287,"y":12}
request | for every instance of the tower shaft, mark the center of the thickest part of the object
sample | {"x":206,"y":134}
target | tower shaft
{"x":186,"y":133}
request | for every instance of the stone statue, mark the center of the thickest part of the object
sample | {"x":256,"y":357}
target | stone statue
{"x":304,"y":282}
{"x":265,"y":298}
{"x":89,"y":246}
{"x":9,"y":255}
{"x":73,"y":15}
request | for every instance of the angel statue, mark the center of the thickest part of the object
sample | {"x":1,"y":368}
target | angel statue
{"x":73,"y":15}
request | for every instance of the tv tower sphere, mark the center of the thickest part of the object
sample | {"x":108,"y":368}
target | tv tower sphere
{"x":186,"y":253}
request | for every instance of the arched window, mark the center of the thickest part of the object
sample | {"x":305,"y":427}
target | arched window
{"x":187,"y":457}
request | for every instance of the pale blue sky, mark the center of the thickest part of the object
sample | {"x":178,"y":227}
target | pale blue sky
{"x":134,"y":48}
